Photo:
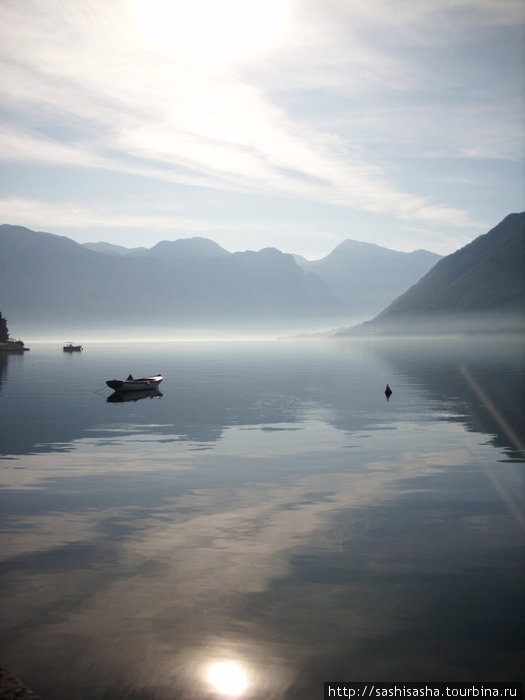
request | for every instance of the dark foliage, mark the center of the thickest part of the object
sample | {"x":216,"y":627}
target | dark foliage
{"x":4,"y":332}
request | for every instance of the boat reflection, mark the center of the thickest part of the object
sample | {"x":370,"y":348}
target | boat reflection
{"x":119,"y":396}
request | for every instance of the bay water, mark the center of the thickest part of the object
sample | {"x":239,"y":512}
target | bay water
{"x":269,"y":522}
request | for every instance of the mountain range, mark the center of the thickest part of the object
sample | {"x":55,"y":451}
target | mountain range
{"x":369,"y":275}
{"x":479,"y":287}
{"x":50,"y":282}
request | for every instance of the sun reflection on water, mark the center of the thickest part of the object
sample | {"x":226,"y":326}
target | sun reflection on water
{"x":228,"y":678}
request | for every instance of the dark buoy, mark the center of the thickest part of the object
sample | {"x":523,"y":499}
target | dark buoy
{"x":388,"y":392}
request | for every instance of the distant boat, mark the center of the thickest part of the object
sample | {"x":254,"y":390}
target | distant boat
{"x":69,"y":347}
{"x":132,"y":384}
{"x":388,"y":392}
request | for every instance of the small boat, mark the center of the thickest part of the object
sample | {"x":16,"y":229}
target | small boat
{"x":132,"y":384}
{"x":69,"y":347}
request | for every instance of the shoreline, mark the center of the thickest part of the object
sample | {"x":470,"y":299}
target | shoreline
{"x":12,"y":688}
{"x":13,"y":346}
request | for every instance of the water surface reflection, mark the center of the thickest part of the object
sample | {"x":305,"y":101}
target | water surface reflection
{"x":119,"y":397}
{"x":267,"y":526}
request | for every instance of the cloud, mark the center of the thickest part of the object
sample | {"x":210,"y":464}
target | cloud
{"x":72,"y":216}
{"x":161,"y":221}
{"x":20,"y":145}
{"x":324,"y":115}
{"x":178,"y":115}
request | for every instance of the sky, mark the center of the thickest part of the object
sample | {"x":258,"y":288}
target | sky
{"x":288,"y":123}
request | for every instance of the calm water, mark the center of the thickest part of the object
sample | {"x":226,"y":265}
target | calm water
{"x":269,"y":523}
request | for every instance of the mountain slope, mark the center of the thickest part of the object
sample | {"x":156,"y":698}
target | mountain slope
{"x":188,"y":248}
{"x":486,"y":277}
{"x":50,"y":281}
{"x":112,"y":249}
{"x":366,"y":277}
{"x":195,"y":247}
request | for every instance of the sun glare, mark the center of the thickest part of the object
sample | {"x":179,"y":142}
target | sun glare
{"x":228,"y":679}
{"x":213,"y":29}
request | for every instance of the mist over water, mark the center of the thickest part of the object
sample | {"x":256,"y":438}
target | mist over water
{"x":148,"y":332}
{"x":457,"y":325}
{"x":270,"y":522}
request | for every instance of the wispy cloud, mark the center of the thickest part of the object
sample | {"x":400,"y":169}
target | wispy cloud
{"x":162,"y":222}
{"x":71,"y":216}
{"x":83,"y":86}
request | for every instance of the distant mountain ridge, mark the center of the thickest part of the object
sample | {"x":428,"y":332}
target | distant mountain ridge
{"x":188,"y":248}
{"x":48,"y":280}
{"x":484,"y":278}
{"x":112,"y":249}
{"x":367,"y":274}
{"x":362,"y":276}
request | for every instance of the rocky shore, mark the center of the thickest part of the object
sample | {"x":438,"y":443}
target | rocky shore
{"x":13,"y":346}
{"x":12,"y":688}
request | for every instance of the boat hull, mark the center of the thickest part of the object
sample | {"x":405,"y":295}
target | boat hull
{"x":142,"y":384}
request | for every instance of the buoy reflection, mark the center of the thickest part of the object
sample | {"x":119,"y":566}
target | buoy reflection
{"x":228,"y":678}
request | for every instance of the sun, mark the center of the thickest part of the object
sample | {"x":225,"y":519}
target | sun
{"x":214,"y":29}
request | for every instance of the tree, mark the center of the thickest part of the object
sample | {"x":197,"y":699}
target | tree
{"x":4,"y":333}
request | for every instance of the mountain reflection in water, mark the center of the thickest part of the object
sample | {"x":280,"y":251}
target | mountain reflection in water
{"x":271,"y":524}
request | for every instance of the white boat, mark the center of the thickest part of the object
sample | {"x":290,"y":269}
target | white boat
{"x":132,"y":384}
{"x":69,"y":347}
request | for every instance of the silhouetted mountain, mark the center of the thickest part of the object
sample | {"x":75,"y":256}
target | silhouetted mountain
{"x":111,"y":249}
{"x":185,"y":248}
{"x":366,"y":277}
{"x":479,"y":287}
{"x":363,"y":276}
{"x":50,"y":281}
{"x":174,"y":250}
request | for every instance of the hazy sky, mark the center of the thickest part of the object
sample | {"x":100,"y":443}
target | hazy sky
{"x":286,"y":123}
